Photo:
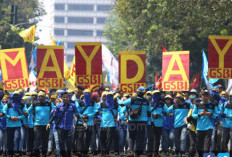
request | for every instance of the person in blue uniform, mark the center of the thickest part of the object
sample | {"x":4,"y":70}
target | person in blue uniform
{"x":138,"y":115}
{"x":63,"y":115}
{"x":14,"y":112}
{"x":41,"y":110}
{"x":225,"y":111}
{"x":109,"y":111}
{"x":180,"y":110}
{"x":157,"y":108}
{"x":204,"y":111}
{"x":86,"y":110}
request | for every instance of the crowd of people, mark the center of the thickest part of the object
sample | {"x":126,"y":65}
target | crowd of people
{"x":80,"y":122}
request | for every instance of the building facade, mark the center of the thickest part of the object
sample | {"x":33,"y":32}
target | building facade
{"x":78,"y":21}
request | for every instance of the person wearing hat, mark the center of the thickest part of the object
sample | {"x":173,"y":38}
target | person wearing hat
{"x":155,"y":123}
{"x":34,"y":96}
{"x":63,"y":116}
{"x":3,"y":135}
{"x":225,"y":111}
{"x":30,"y":124}
{"x":86,"y":110}
{"x":77,"y":93}
{"x":180,"y":110}
{"x":204,"y":111}
{"x":148,"y":96}
{"x":138,"y":115}
{"x":109,"y":111}
{"x":41,"y":110}
{"x":168,"y":127}
{"x":192,"y":122}
{"x":14,"y":112}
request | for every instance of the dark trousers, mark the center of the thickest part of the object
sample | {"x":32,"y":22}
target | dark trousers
{"x":83,"y":138}
{"x":41,"y":139}
{"x":154,"y":134}
{"x":137,"y":132}
{"x":65,"y":141}
{"x":30,"y":139}
{"x":106,"y":135}
{"x":193,"y":141}
{"x":203,"y":141}
{"x":226,"y":137}
{"x":13,"y":139}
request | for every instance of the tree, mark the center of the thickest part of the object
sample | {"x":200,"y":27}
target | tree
{"x":28,"y":15}
{"x":175,"y":24}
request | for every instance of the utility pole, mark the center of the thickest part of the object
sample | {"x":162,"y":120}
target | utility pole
{"x":14,"y":15}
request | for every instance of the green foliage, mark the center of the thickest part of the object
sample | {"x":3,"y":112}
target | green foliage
{"x":175,"y":24}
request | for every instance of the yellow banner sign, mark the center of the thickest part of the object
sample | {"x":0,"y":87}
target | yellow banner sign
{"x":132,"y":70}
{"x":14,"y":68}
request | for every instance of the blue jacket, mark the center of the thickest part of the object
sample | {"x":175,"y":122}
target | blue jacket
{"x":160,"y":108}
{"x":2,"y":119}
{"x":107,"y":115}
{"x":180,"y":112}
{"x":226,"y":108}
{"x":90,"y":111}
{"x":204,"y":122}
{"x":134,"y":103}
{"x":9,"y":111}
{"x":169,"y":121}
{"x":66,"y":122}
{"x":41,"y":111}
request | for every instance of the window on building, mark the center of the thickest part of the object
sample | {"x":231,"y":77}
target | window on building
{"x":101,"y":20}
{"x":59,"y":6}
{"x":100,"y":33}
{"x":80,"y":20}
{"x":71,"y":45}
{"x":104,"y":7}
{"x":59,"y":19}
{"x":69,"y":58}
{"x":59,"y":32}
{"x":83,"y":7}
{"x":80,"y":32}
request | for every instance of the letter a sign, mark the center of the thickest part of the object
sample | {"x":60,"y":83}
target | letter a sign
{"x":88,"y":57}
{"x":220,"y":57}
{"x":50,"y":67}
{"x":175,"y":71}
{"x":132,"y":70}
{"x":14,"y":68}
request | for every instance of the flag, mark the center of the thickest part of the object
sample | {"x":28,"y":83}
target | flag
{"x":156,"y":77}
{"x":110,"y":64}
{"x":33,"y":61}
{"x":195,"y":81}
{"x":159,"y":83}
{"x":28,"y":35}
{"x":205,"y":70}
{"x":163,"y":49}
{"x":53,"y":42}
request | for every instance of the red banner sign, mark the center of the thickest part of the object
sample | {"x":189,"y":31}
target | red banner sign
{"x":220,"y":56}
{"x":50,"y":67}
{"x":14,"y":68}
{"x":132,"y":70}
{"x":88,"y":57}
{"x":175,"y":71}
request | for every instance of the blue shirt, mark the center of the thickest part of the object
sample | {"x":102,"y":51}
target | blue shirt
{"x":226,"y":108}
{"x":180,"y":112}
{"x":9,"y":111}
{"x":90,"y":111}
{"x":204,"y":122}
{"x":66,"y":122}
{"x":159,"y":109}
{"x":135,"y":103}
